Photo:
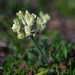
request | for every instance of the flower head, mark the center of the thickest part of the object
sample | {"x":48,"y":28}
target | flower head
{"x":42,"y":20}
{"x":24,"y":28}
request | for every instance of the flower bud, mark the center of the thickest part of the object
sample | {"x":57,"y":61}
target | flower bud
{"x":20,"y":15}
{"x":16,"y":26}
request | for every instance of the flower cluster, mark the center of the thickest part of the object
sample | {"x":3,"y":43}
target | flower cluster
{"x":23,"y":25}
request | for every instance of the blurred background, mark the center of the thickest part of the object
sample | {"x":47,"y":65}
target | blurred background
{"x":62,"y":20}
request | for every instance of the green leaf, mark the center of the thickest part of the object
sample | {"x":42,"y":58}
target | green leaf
{"x":43,"y":72}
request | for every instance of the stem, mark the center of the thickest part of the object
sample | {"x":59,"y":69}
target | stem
{"x":39,"y":49}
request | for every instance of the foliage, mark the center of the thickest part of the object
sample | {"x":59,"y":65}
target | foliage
{"x":57,"y":50}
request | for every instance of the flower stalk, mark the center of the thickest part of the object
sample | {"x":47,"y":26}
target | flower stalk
{"x":38,"y":47}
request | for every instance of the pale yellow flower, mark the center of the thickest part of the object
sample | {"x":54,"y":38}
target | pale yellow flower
{"x":29,"y":18}
{"x":44,"y":17}
{"x":40,"y":24}
{"x":24,"y":26}
{"x":16,"y":26}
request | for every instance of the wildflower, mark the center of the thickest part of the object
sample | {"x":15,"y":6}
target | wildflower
{"x":39,"y":23}
{"x":29,"y":18}
{"x":24,"y":28}
{"x":16,"y":26}
{"x":44,"y":18}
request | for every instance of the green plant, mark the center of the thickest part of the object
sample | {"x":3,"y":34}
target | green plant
{"x":46,"y":57}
